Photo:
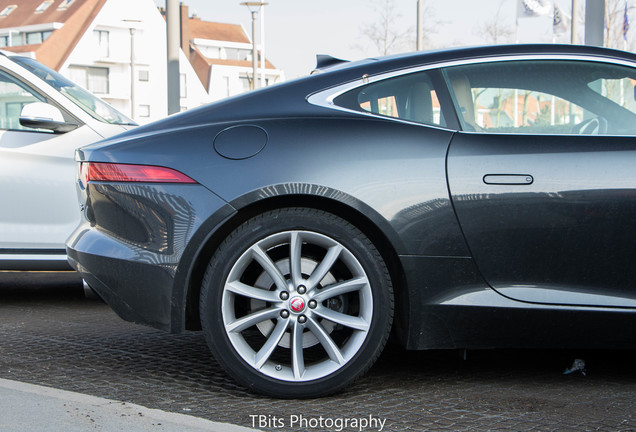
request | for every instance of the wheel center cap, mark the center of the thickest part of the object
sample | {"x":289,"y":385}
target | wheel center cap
{"x":297,"y":304}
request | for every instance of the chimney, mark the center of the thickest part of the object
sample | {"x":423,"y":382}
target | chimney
{"x":185,"y":29}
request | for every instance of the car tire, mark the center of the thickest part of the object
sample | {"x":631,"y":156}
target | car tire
{"x":296,"y":303}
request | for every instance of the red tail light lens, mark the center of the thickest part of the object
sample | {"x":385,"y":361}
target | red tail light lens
{"x":109,"y":172}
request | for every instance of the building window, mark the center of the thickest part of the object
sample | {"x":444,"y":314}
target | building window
{"x":98,"y":80}
{"x":65,"y":4}
{"x":6,"y":11}
{"x":94,"y":79}
{"x":231,"y":54}
{"x":183,"y":91}
{"x":15,"y":39}
{"x":34,"y":38}
{"x":144,"y":110}
{"x":237,"y":54}
{"x":211,"y":52}
{"x":43,"y":6}
{"x":144,"y":75}
{"x":18,"y":39}
{"x":103,"y":43}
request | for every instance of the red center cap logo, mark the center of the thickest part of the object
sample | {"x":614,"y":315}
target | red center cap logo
{"x":297,"y":304}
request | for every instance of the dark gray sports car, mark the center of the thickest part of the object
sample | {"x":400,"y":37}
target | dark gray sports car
{"x":468,"y":198}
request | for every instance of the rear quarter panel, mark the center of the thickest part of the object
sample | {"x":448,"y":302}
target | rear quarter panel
{"x":394,"y":173}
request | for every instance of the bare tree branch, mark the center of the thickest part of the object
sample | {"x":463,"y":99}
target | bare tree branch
{"x":385,"y":34}
{"x":614,"y":16}
{"x":495,"y":31}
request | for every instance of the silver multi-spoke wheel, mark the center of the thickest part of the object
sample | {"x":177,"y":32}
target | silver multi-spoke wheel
{"x":296,"y":306}
{"x":307,"y":288}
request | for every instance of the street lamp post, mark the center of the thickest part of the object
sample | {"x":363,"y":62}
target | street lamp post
{"x":262,"y":12}
{"x":132,"y":73}
{"x":420,"y":23}
{"x":132,"y":29}
{"x":254,"y":8}
{"x":173,"y":37}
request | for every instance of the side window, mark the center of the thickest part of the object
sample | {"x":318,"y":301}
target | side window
{"x":13,"y":96}
{"x":411,"y":97}
{"x":544,"y":97}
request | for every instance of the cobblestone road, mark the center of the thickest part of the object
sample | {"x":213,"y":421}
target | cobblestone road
{"x":51,"y":335}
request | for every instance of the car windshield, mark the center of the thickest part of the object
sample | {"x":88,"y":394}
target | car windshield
{"x":94,"y":106}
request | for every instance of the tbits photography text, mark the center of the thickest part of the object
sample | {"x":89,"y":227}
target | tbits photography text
{"x":334,"y":424}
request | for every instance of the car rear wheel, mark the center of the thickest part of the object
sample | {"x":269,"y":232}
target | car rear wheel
{"x":296,"y":303}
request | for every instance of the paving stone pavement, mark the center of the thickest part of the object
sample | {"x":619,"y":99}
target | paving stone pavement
{"x":51,"y":335}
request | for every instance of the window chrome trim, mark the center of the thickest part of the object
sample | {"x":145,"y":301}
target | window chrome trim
{"x":324,"y":98}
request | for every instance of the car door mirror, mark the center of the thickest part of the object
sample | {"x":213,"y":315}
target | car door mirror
{"x":40,"y":115}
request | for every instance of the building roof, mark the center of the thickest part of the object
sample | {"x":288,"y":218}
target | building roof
{"x":25,"y":14}
{"x":76,"y":18}
{"x":217,"y":31}
{"x":193,"y":28}
{"x":224,"y":32}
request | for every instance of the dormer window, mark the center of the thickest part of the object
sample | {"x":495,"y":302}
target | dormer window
{"x":65,"y":4}
{"x":43,"y":6}
{"x":6,"y":11}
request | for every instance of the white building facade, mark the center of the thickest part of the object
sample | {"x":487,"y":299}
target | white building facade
{"x":117,"y":50}
{"x":100,"y":59}
{"x":102,"y":62}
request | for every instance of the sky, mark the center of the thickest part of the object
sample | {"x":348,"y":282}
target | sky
{"x":297,"y":30}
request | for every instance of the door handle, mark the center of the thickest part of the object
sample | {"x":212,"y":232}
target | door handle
{"x":508,"y":179}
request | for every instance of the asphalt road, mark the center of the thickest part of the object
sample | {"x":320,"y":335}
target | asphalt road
{"x":51,"y":335}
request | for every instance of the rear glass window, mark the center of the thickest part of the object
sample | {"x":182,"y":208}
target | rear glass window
{"x":411,"y":97}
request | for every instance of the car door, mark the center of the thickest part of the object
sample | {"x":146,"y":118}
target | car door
{"x":543,"y":178}
{"x":39,"y":204}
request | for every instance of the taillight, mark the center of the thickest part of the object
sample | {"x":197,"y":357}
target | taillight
{"x":110,"y":172}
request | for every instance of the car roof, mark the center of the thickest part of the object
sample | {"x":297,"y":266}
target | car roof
{"x":399,"y":61}
{"x":290,"y":98}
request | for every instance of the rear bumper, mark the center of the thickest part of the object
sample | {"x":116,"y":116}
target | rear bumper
{"x":142,"y":296}
{"x":130,"y":244}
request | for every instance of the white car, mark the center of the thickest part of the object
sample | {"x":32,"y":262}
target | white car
{"x":44,"y":117}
